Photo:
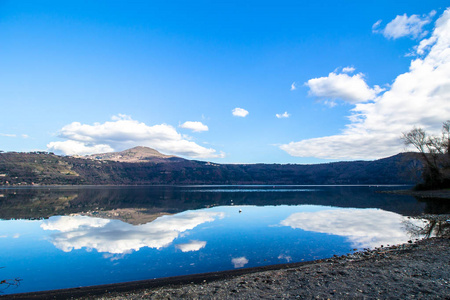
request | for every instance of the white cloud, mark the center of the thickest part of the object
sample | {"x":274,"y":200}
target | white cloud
{"x":293,"y":86}
{"x":7,"y":135}
{"x":240,"y":112}
{"x":78,"y":148}
{"x":239,"y":262}
{"x":123,"y":133}
{"x":425,"y":45}
{"x":191,"y":246}
{"x":330,"y":103}
{"x":348,"y":70}
{"x":194,"y":126}
{"x":376,"y":25}
{"x":117,"y":237}
{"x":403,"y":25}
{"x":285,"y":115}
{"x":347,"y":146}
{"x":364,"y":228}
{"x":12,"y":135}
{"x":119,"y":117}
{"x":352,"y":89}
{"x":419,"y":97}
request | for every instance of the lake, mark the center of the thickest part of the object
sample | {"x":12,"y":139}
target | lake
{"x":53,"y":238}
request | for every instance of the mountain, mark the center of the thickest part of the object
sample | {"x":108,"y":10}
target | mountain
{"x":141,"y":166}
{"x":133,"y":155}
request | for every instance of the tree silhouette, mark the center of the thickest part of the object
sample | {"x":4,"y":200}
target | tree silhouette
{"x":435,"y":151}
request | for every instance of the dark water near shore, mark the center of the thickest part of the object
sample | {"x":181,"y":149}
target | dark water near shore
{"x":55,"y":238}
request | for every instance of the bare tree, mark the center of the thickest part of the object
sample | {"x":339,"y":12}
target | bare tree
{"x":435,"y":151}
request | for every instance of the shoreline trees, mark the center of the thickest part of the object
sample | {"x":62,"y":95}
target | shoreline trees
{"x":435,"y":151}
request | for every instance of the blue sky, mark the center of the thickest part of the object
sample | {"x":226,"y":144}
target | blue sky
{"x":230,"y":82}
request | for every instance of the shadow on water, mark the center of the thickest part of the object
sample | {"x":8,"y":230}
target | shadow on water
{"x":435,"y":206}
{"x":37,"y":203}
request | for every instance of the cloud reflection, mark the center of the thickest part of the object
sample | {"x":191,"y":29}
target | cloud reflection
{"x":239,"y":262}
{"x":365,"y":228}
{"x":191,"y":246}
{"x":117,"y":237}
{"x":286,"y":257}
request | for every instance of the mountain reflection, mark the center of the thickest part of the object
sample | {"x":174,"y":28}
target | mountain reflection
{"x":39,"y":203}
{"x":364,"y":228}
{"x":117,"y":237}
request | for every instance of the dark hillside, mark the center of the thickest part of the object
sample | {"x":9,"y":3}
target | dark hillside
{"x":49,"y":169}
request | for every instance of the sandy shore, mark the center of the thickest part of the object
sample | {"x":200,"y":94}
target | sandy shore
{"x":414,"y":270}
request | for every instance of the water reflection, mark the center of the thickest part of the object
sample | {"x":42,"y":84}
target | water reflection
{"x":138,"y":233}
{"x":58,"y":254}
{"x":191,"y":246}
{"x":117,"y":237}
{"x":434,"y":227}
{"x":32,"y":203}
{"x":239,"y":262}
{"x":364,"y":228}
{"x":285,"y":257}
{"x":248,"y":190}
{"x":435,"y":205}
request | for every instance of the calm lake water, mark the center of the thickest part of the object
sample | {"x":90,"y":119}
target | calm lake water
{"x":79,"y":236}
